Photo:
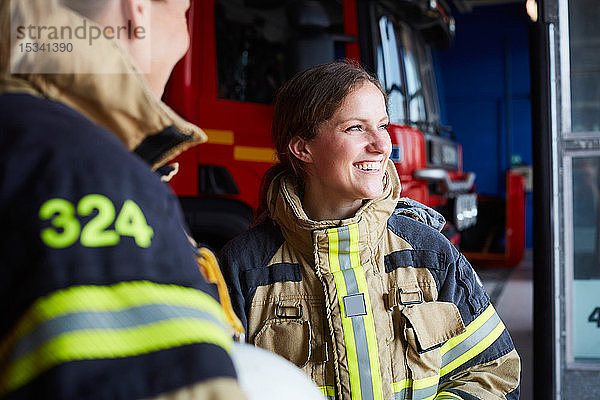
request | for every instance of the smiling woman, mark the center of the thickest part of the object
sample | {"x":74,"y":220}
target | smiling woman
{"x":333,"y":145}
{"x":346,"y":279}
{"x":345,"y":162}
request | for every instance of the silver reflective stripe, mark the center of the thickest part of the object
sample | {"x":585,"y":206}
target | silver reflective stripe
{"x":472,"y":340}
{"x":358,"y":323}
{"x":424,"y":393}
{"x":401,"y":395}
{"x":109,"y":320}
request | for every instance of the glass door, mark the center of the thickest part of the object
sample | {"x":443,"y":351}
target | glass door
{"x":571,"y":53}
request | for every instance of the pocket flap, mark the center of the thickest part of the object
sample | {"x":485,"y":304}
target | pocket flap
{"x":290,"y":338}
{"x":434,"y":322}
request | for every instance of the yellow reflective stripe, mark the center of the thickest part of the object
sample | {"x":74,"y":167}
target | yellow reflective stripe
{"x":109,"y":298}
{"x":447,"y":396}
{"x":354,"y":250}
{"x":87,"y":321}
{"x":472,"y":327}
{"x":86,"y":345}
{"x":368,"y":319}
{"x":478,"y":336}
{"x":426,"y":382}
{"x":475,"y":350}
{"x":328,"y":391}
{"x":350,"y":272}
{"x":349,"y":340}
{"x":340,"y":285}
{"x":401,"y":385}
{"x":116,"y":297}
{"x":401,"y":389}
{"x":418,"y":386}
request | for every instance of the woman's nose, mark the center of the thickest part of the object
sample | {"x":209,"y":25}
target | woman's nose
{"x":380,"y":141}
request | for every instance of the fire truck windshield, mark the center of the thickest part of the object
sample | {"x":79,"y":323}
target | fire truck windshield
{"x":404,"y":66}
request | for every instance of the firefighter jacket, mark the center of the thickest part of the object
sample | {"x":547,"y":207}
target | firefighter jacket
{"x":377,"y":306}
{"x":100,"y":289}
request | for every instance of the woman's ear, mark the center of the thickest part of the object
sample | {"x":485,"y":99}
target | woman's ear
{"x":137,"y":40}
{"x":137,"y":13}
{"x":298,"y":147}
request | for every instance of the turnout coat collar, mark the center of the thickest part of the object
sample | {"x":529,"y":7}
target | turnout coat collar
{"x":285,"y":207}
{"x":101,"y":81}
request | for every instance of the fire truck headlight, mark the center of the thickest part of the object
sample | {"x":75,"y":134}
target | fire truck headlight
{"x":465,"y":211}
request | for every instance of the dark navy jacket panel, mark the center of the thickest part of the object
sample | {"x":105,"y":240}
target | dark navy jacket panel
{"x":72,"y":380}
{"x":515,"y":394}
{"x":51,"y":152}
{"x":457,"y":282}
{"x":245,"y":265}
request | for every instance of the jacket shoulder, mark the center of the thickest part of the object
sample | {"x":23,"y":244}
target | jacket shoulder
{"x":420,"y":235}
{"x":52,"y":124}
{"x":420,"y":212}
{"x":253,"y":248}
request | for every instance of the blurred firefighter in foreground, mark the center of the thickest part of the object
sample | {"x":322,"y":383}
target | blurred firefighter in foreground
{"x":101,"y":292}
{"x":346,"y":279}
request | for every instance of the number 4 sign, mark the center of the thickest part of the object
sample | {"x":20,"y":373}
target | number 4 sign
{"x":586,"y":320}
{"x":595,"y":316}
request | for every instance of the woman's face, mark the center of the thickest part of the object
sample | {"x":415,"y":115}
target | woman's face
{"x":348,"y":157}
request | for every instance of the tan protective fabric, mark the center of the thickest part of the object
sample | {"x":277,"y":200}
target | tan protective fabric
{"x":214,"y":389}
{"x":425,"y":317}
{"x":480,"y":382}
{"x":120,"y":101}
{"x":424,"y":334}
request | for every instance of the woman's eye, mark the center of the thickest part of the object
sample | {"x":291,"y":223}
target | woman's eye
{"x":384,"y":127}
{"x":354,"y":128}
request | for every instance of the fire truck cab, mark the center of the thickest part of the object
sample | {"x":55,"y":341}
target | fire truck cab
{"x":243,"y":50}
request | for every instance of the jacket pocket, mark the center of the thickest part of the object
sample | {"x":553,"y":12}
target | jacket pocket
{"x":295,"y":328}
{"x":433,"y":323}
{"x":421,"y":331}
{"x":290,"y":338}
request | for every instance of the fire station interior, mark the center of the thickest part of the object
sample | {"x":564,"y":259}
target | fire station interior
{"x":482,"y":100}
{"x":518,"y":89}
{"x":485,"y":97}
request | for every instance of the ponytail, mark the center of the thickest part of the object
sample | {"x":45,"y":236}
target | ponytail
{"x":263,"y":192}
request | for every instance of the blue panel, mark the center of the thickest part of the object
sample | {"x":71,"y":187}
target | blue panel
{"x":488,"y":65}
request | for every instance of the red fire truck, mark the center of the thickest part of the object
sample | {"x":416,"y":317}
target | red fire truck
{"x":242,"y":50}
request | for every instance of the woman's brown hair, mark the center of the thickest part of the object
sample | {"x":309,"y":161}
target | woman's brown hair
{"x":301,"y":105}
